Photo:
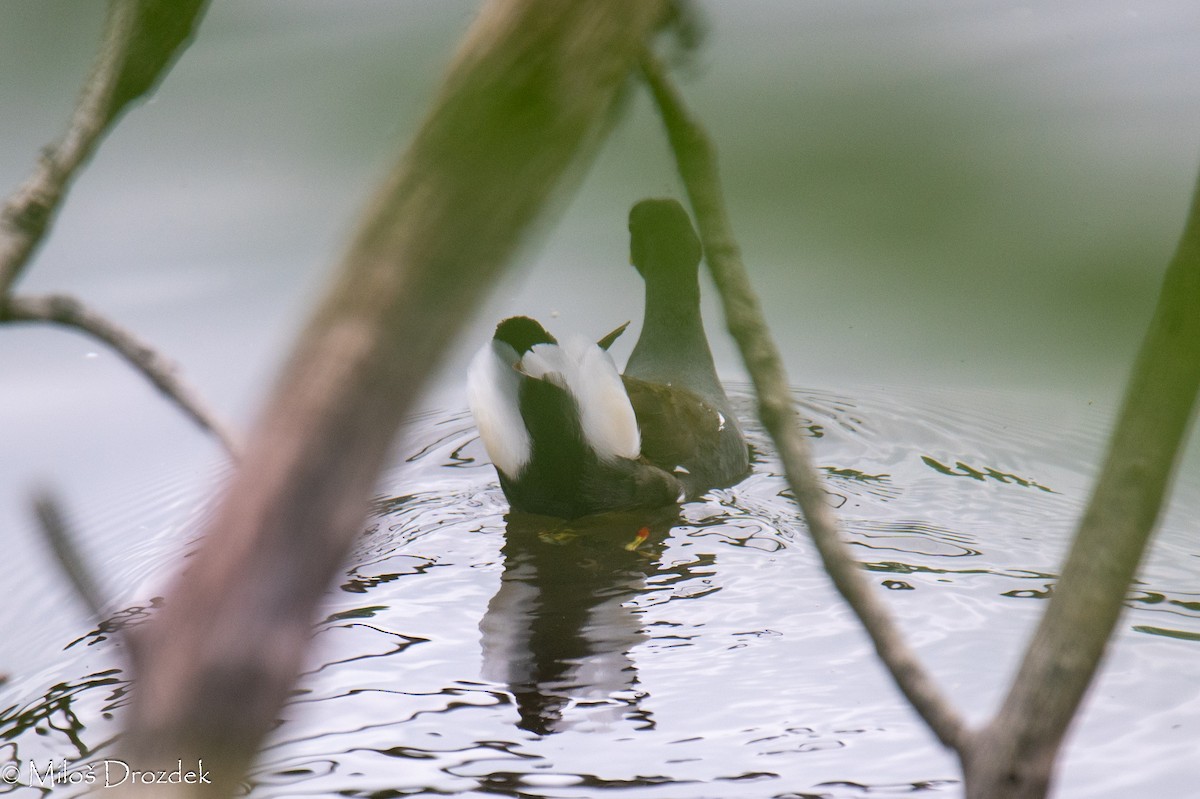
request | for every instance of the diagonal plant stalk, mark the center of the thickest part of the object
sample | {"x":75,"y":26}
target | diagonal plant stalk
{"x":696,"y":161}
{"x":531,"y":88}
{"x":62,"y":544}
{"x":1013,"y":756}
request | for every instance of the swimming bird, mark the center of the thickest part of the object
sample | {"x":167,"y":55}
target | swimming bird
{"x":570,"y":437}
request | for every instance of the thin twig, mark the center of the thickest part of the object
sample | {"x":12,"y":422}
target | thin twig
{"x":142,"y":38}
{"x":696,"y":161}
{"x":54,"y":527}
{"x":157,"y":368}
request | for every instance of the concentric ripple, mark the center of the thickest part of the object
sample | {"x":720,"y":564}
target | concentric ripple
{"x":698,"y":654}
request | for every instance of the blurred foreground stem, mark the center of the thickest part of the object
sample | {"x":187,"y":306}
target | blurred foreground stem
{"x":531,"y":87}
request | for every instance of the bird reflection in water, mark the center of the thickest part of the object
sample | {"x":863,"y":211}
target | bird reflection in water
{"x":560,"y":630}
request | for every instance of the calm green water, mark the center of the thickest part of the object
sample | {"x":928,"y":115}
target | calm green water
{"x":930,"y":198}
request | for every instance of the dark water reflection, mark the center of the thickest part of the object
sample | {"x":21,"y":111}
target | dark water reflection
{"x":561,"y":629}
{"x":693,"y":654}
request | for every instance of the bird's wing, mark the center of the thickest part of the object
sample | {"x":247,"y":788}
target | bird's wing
{"x":678,"y":429}
{"x":605,"y":415}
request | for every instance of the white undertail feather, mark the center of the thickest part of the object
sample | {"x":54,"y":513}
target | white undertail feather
{"x":547,"y":362}
{"x":605,"y":412}
{"x":493,"y":384}
{"x":579,"y":366}
{"x":589,"y":374}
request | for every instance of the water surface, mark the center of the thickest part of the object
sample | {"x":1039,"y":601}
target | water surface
{"x":467,"y":654}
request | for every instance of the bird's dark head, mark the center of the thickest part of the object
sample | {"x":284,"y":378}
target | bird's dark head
{"x":661,"y":239}
{"x":522,"y":333}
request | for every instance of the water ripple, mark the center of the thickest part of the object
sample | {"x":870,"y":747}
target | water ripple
{"x":467,"y":652}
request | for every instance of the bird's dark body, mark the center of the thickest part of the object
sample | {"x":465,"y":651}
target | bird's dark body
{"x":564,"y":477}
{"x":688,"y":439}
{"x":679,"y":429}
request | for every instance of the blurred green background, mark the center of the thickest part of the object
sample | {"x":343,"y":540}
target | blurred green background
{"x":937,"y":194}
